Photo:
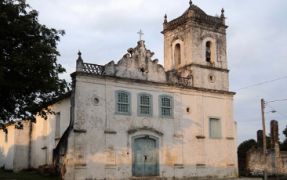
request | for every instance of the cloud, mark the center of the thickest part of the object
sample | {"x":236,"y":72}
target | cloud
{"x":104,"y":30}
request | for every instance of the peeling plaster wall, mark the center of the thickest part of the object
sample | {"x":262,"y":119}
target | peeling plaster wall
{"x":137,"y":64}
{"x":21,"y":160}
{"x":192,"y":31}
{"x":193,"y":37}
{"x":194,"y":40}
{"x":14,"y":155}
{"x":7,"y":148}
{"x":201,"y":78}
{"x":276,"y":162}
{"x":103,"y":139}
{"x":43,"y":134}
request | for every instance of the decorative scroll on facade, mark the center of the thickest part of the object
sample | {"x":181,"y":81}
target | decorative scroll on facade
{"x":136,"y":64}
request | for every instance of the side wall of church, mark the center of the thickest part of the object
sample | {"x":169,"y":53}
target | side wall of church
{"x":21,"y":145}
{"x":44,"y":138}
{"x":38,"y":143}
{"x":103,"y":139}
{"x":7,"y":148}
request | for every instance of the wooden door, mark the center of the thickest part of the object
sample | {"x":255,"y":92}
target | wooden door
{"x":145,"y":157}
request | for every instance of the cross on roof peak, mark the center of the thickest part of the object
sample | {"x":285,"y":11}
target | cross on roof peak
{"x":140,"y":33}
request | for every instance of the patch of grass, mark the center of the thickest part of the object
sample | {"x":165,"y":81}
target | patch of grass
{"x":25,"y":175}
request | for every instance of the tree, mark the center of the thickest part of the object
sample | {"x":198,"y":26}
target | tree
{"x":283,"y":145}
{"x":28,"y":63}
{"x":242,"y":150}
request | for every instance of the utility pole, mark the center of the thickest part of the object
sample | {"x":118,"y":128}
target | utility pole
{"x":264,"y":138}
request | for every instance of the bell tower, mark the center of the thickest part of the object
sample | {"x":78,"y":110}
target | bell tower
{"x":196,"y":42}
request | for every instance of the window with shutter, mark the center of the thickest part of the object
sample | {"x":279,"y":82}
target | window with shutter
{"x":214,"y":128}
{"x":123,"y":102}
{"x":145,"y":105}
{"x":166,"y":106}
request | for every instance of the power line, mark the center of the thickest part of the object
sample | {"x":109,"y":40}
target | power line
{"x":278,"y":100}
{"x":263,"y":82}
{"x":283,"y":115}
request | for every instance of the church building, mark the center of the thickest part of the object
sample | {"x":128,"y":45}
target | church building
{"x":136,"y":118}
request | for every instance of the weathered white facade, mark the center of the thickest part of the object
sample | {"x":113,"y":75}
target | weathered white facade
{"x":32,"y":145}
{"x":135,"y":118}
{"x":103,"y":143}
{"x":103,"y":140}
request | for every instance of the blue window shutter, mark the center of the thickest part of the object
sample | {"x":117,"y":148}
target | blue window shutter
{"x":166,"y":106}
{"x":145,"y":104}
{"x":214,"y":128}
{"x":123,"y":102}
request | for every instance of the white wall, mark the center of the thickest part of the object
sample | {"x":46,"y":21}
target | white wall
{"x":21,"y":159}
{"x":14,"y":153}
{"x":106,"y":155}
{"x":7,"y":148}
{"x":43,"y":133}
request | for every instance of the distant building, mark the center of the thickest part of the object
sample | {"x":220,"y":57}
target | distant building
{"x":276,"y":160}
{"x":136,"y":118}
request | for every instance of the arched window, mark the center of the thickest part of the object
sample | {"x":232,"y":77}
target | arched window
{"x":123,"y":100}
{"x":208,"y":51}
{"x":177,"y":55}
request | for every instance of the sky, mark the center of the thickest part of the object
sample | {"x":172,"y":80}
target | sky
{"x":256,"y":44}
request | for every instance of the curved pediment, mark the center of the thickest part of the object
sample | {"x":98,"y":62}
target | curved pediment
{"x":137,"y":63}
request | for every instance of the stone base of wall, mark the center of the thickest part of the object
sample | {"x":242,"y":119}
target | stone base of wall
{"x":276,"y":162}
{"x":191,"y":178}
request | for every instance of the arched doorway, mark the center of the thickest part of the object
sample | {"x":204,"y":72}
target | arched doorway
{"x":145,"y":156}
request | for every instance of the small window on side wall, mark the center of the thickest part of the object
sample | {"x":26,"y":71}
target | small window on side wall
{"x":123,"y":102}
{"x":208,"y":51}
{"x":214,"y":128}
{"x":166,"y":106}
{"x":6,"y":135}
{"x":58,"y":125}
{"x":144,"y":105}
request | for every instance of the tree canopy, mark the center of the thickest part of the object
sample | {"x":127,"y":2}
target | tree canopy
{"x":283,"y":145}
{"x":285,"y":131}
{"x":29,"y":72}
{"x":242,"y":150}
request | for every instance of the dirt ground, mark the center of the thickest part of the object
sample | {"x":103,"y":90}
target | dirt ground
{"x":24,"y":175}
